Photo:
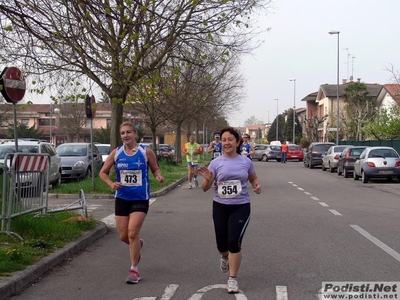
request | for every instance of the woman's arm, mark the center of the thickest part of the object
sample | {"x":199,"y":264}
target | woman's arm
{"x":255,"y":183}
{"x":208,"y":178}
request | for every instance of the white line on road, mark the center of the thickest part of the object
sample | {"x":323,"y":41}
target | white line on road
{"x":377,"y":242}
{"x":199,"y":294}
{"x":307,"y":193}
{"x":335,"y":212}
{"x":314,"y":198}
{"x":281,"y":292}
{"x":300,"y":189}
{"x":323,"y":204}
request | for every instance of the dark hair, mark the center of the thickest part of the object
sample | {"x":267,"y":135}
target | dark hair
{"x":234,"y":132}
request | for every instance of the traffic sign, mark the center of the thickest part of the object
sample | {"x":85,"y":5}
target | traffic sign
{"x":331,"y":129}
{"x":90,"y":106}
{"x":13,"y":83}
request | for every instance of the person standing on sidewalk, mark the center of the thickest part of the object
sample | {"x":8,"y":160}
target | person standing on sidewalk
{"x":284,"y":149}
{"x":215,"y":146}
{"x":192,"y":151}
{"x":132,"y":190}
{"x":231,"y":202}
{"x":247,"y":149}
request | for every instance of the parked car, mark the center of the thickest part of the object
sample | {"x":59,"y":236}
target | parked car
{"x":76,"y":160}
{"x":266,"y":152}
{"x":32,"y":182}
{"x":377,"y":162}
{"x":347,"y":158}
{"x":315,"y":153}
{"x":165,"y":151}
{"x":295,"y":152}
{"x":104,"y":150}
{"x":330,"y":160}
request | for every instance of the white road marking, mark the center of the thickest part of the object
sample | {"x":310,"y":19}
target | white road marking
{"x":300,"y":189}
{"x":314,"y":198}
{"x":335,"y":212}
{"x":307,"y":193}
{"x":323,"y":204}
{"x":281,"y":292}
{"x":377,"y":242}
{"x":199,"y":294}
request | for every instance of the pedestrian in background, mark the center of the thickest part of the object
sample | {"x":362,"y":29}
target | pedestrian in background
{"x":284,"y":149}
{"x":231,"y":201}
{"x":246,"y":148}
{"x":192,"y":151}
{"x":132,"y":190}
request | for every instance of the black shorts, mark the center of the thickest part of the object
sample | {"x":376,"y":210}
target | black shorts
{"x":125,"y":208}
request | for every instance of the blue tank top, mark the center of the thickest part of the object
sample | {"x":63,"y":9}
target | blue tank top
{"x":246,"y":148}
{"x":217,"y":148}
{"x":133,"y":172}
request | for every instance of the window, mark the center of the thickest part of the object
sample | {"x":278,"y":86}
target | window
{"x":25,"y":122}
{"x":44,"y":122}
{"x":108,"y":123}
{"x":4,"y":123}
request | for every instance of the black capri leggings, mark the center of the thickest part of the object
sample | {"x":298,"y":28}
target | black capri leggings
{"x":230,"y":223}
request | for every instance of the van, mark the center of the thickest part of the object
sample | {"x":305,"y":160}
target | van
{"x":276,"y":143}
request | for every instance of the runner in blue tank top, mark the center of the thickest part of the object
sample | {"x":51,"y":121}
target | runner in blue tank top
{"x":246,"y":148}
{"x":132,"y":190}
{"x":215,"y":147}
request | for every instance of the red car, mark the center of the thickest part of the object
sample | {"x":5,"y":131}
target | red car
{"x":295,"y":152}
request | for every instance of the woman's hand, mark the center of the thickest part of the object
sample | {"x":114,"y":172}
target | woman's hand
{"x":257,"y":187}
{"x":116,"y":185}
{"x":206,"y":173}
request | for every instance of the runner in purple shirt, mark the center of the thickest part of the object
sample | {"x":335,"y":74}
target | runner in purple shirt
{"x":231,"y":205}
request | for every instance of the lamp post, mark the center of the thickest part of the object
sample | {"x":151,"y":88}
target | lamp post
{"x":294,"y":109}
{"x":268,"y":115}
{"x":51,"y":122}
{"x":277,"y":118}
{"x":56,"y":111}
{"x":337,"y":85}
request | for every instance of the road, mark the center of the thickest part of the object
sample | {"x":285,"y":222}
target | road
{"x":307,"y":226}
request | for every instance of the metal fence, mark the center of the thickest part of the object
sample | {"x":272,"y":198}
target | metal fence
{"x":387,"y":143}
{"x":25,"y":186}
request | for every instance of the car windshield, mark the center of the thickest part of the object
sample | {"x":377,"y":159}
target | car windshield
{"x":293,"y":148}
{"x":383,"y":153}
{"x":275,"y":148}
{"x":22,"y":148}
{"x":71,"y":150}
{"x":104,"y":150}
{"x":339,"y":149}
{"x":321,"y":148}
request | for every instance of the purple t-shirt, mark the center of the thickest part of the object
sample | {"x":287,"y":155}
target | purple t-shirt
{"x":226,"y":169}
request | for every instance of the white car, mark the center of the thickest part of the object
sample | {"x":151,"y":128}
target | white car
{"x":331,"y":158}
{"x":104,"y":150}
{"x":36,"y":147}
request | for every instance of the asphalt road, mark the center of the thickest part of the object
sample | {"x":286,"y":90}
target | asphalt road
{"x":306,"y":227}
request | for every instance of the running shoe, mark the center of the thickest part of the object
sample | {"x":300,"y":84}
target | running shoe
{"x":196,"y":183}
{"x":190,"y":186}
{"x":224,"y":264}
{"x":233,"y":287}
{"x":133,"y":277}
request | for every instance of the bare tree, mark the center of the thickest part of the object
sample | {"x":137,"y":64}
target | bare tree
{"x":114,"y":43}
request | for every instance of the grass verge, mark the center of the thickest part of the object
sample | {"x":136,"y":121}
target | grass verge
{"x":42,"y":235}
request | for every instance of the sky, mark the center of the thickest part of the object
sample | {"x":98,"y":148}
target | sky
{"x":299,"y":46}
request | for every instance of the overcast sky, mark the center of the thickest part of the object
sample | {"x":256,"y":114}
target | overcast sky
{"x":299,"y":46}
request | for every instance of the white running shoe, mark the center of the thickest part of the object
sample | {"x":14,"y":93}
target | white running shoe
{"x":190,"y":186}
{"x":224,"y":264}
{"x":233,"y":287}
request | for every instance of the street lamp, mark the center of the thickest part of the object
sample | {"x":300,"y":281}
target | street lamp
{"x":268,"y":115}
{"x":294,"y":109}
{"x":277,"y":119}
{"x":337,"y":85}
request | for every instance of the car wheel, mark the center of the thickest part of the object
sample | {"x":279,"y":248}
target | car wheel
{"x":323,"y":167}
{"x":264,"y":158}
{"x":58,"y":181}
{"x":338,"y":171}
{"x":331,"y":170}
{"x":345,"y":173}
{"x":300,"y":159}
{"x":364,"y":177}
{"x":89,"y":172}
{"x":278,"y":160}
{"x":355,"y":176}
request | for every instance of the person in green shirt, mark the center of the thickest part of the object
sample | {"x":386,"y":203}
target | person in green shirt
{"x":192,"y":150}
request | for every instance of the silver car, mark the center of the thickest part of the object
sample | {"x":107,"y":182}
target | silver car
{"x":76,"y":160}
{"x":265,"y":152}
{"x":36,"y":147}
{"x":377,"y":162}
{"x":331,"y":158}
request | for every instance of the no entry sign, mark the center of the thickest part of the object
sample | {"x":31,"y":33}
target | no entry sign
{"x":13,"y":83}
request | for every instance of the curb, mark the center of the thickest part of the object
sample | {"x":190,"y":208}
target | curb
{"x":19,"y":280}
{"x":14,"y":284}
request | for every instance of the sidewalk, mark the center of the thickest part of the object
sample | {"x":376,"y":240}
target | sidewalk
{"x":19,"y":280}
